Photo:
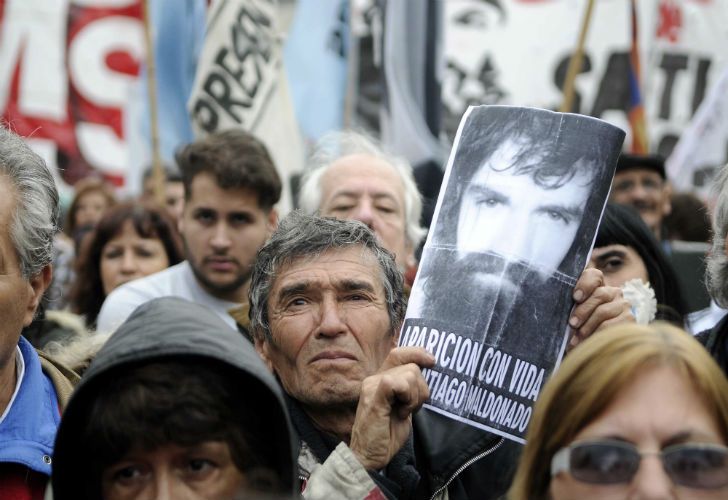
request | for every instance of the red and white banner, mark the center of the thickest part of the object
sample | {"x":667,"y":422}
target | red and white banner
{"x":69,"y":70}
{"x":66,"y":73}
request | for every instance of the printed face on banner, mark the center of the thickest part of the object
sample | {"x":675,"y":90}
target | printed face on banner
{"x":472,"y":74}
{"x":520,"y":204}
{"x":512,"y":215}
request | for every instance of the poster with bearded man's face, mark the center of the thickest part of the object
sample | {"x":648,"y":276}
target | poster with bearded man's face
{"x":517,"y":214}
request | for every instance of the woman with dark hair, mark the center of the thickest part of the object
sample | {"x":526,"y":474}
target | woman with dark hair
{"x":626,"y":249}
{"x":130,"y":241}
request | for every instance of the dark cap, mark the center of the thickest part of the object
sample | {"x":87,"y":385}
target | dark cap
{"x":627,"y":161}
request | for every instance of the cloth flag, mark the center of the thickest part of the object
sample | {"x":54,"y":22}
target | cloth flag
{"x":241,"y":83}
{"x":636,"y":112}
{"x":315,"y":58}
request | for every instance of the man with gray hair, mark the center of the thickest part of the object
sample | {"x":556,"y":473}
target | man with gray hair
{"x":716,"y":275}
{"x":326,"y":307}
{"x":33,"y":390}
{"x":351,"y":177}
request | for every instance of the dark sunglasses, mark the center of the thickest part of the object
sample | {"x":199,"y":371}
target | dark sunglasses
{"x":692,"y":465}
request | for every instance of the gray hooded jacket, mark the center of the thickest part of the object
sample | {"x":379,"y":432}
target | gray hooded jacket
{"x":166,"y":328}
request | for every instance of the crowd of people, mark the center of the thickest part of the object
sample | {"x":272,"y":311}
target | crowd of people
{"x":209,"y":348}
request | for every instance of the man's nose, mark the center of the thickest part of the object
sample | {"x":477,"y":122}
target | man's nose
{"x":651,"y":481}
{"x":522,"y":247}
{"x":638,"y":192}
{"x":515,"y":239}
{"x":221,"y":238}
{"x":331,"y":322}
{"x":364,"y":212}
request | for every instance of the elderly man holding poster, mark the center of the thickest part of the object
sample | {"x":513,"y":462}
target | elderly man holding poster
{"x":522,"y":197}
{"x":326,"y":306}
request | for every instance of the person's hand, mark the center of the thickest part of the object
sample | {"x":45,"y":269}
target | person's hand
{"x":388,"y":398}
{"x":597,"y":306}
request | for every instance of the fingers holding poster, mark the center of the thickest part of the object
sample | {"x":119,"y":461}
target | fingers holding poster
{"x":517,"y":214}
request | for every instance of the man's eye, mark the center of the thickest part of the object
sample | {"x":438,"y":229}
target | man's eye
{"x":490,"y":201}
{"x":297,"y":302}
{"x":385,"y":209}
{"x":205,"y":217}
{"x":471,"y":18}
{"x":623,"y":186}
{"x":557,"y":216}
{"x":240,"y":219}
{"x":356,"y":297}
{"x":341,"y":208}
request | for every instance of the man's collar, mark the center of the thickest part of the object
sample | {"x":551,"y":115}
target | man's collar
{"x":19,"y":372}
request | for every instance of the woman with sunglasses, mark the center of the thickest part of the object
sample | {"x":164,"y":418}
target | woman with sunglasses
{"x":634,"y":412}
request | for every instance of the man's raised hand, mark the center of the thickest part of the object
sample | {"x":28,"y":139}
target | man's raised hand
{"x":388,"y":398}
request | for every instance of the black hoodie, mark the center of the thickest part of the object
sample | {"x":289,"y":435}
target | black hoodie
{"x":163,"y":329}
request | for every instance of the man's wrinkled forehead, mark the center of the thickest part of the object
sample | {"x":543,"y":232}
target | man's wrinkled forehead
{"x":305,"y":261}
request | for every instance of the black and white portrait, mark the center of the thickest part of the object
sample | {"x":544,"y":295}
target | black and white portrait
{"x":522,"y":197}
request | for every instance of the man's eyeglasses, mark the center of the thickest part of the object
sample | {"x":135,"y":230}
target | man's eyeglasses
{"x":692,"y":465}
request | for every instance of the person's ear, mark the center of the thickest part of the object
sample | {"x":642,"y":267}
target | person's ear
{"x":410,"y":260}
{"x":272,"y":221}
{"x":37,"y":286}
{"x":263,"y":348}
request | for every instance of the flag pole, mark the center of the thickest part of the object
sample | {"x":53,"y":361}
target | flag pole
{"x":636,"y":114}
{"x":575,"y":62}
{"x":158,"y":175}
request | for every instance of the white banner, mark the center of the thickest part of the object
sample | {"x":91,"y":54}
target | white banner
{"x":703,"y":146}
{"x":517,"y":52}
{"x":523,"y":193}
{"x":241,"y":82}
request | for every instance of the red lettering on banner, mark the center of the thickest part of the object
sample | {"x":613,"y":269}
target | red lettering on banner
{"x":670,"y":21}
{"x":85,"y":62}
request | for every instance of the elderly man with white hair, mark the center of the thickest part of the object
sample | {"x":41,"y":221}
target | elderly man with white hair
{"x":33,"y":389}
{"x":351,"y":177}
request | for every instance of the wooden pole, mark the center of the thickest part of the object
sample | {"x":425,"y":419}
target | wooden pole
{"x":575,"y":62}
{"x":158,"y":174}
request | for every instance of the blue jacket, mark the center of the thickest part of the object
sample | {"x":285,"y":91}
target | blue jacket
{"x":29,"y":430}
